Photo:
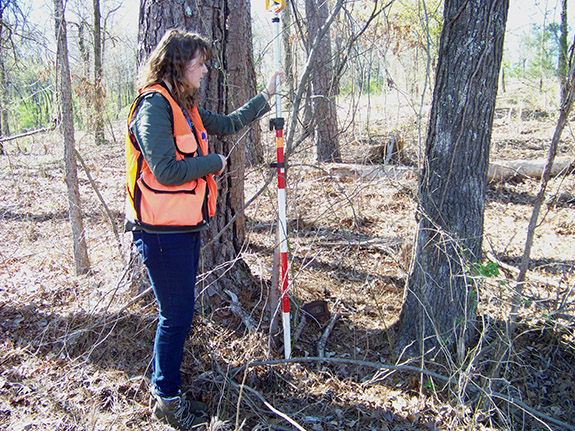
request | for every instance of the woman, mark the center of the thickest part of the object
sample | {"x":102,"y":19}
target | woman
{"x":172,"y":194}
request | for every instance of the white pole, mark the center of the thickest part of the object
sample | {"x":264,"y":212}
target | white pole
{"x":278,"y":124}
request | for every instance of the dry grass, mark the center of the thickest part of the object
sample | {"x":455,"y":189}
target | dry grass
{"x":74,"y":357}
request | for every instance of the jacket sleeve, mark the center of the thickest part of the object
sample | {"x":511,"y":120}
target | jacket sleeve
{"x":152,"y":126}
{"x":217,"y":124}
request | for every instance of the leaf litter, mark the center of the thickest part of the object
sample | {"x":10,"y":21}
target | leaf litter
{"x":75,"y":351}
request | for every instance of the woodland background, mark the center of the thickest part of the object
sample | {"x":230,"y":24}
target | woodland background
{"x":75,"y":349}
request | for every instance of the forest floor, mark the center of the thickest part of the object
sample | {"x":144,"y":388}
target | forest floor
{"x":75,"y":351}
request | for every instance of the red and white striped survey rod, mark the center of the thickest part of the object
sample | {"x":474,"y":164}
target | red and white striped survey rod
{"x":278,"y":124}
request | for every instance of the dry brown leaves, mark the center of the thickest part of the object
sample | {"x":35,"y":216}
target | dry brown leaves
{"x":70,"y":361}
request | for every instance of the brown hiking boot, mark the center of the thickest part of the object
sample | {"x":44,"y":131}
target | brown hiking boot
{"x":197,"y":407}
{"x":179,"y":413}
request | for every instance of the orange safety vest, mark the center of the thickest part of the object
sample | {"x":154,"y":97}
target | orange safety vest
{"x":169,"y":208}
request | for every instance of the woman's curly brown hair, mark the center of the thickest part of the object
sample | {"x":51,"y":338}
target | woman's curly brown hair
{"x":169,"y":60}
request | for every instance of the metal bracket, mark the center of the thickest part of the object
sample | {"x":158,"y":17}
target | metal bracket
{"x":277,"y":123}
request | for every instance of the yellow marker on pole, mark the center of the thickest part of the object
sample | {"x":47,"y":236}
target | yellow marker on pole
{"x":275,"y":5}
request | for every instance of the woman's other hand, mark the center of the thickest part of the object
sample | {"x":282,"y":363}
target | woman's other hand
{"x":272,"y":84}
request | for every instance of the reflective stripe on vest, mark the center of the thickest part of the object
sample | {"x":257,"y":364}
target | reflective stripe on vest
{"x":156,"y":206}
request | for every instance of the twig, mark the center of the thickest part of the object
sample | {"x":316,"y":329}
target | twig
{"x":536,"y":414}
{"x":132,"y":301}
{"x":274,"y":298}
{"x":323,"y":340}
{"x":335,"y":180}
{"x":273,"y":409}
{"x":566,"y":297}
{"x":107,"y":319}
{"x":238,"y":212}
{"x":103,"y":202}
{"x":239,"y":311}
{"x":375,"y":365}
{"x":241,"y":387}
{"x":300,"y":327}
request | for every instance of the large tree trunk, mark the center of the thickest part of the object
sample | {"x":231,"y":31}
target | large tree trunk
{"x":324,"y":113}
{"x":441,"y":299}
{"x":225,"y":88}
{"x":98,"y":74}
{"x":81,"y":260}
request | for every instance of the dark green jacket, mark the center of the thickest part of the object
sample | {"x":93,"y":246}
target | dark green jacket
{"x":152,"y":126}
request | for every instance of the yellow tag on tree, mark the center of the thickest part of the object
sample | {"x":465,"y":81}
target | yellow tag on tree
{"x":275,"y":5}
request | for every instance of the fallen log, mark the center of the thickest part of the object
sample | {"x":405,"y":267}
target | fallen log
{"x":499,"y":170}
{"x":504,"y":169}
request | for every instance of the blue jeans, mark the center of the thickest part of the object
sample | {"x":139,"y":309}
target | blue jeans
{"x":171,"y":260}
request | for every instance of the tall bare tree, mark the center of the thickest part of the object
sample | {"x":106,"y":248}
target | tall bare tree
{"x":567,"y":80}
{"x":324,"y":112}
{"x":5,"y":38}
{"x":98,"y":74}
{"x":230,"y":83}
{"x":81,"y":261}
{"x":439,"y":310}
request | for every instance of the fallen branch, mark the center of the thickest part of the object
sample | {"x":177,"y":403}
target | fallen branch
{"x":240,"y":312}
{"x":323,"y":340}
{"x":29,"y":133}
{"x":515,"y":271}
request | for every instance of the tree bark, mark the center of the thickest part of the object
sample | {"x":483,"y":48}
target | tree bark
{"x":228,"y":85}
{"x":289,"y":58}
{"x":439,"y":309}
{"x":98,"y":75}
{"x":324,"y":112}
{"x":81,"y":261}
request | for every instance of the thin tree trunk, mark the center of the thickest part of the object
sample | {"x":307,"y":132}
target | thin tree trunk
{"x":98,"y":73}
{"x":3,"y":113}
{"x":81,"y":261}
{"x":568,"y":94}
{"x":563,"y":54}
{"x":3,"y":89}
{"x":5,"y":128}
